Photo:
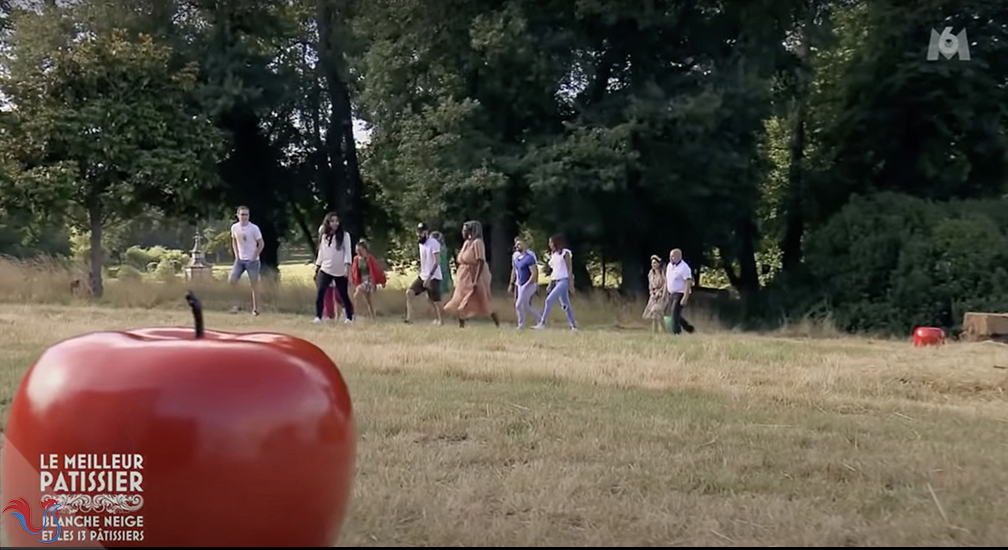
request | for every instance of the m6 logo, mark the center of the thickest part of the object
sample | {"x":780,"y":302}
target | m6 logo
{"x":948,"y":45}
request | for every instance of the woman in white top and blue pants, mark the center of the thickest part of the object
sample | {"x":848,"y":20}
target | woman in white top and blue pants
{"x":332,"y":265}
{"x":560,"y":264}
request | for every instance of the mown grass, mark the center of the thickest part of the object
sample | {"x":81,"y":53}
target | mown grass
{"x":50,"y":282}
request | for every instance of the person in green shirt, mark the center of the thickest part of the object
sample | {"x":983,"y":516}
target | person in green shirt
{"x":446,"y":278}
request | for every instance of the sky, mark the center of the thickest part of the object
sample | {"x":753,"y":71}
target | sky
{"x":362,"y":136}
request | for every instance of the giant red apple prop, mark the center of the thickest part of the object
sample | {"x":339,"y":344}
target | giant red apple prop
{"x":162,"y":437}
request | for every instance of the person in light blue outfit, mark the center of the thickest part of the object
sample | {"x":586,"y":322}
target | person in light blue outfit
{"x":524,"y":281}
{"x":563,"y":275}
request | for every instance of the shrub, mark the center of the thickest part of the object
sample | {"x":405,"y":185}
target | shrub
{"x":138,"y":257}
{"x":165,"y":270}
{"x":890,"y":262}
{"x":128,"y":273}
{"x":148,"y":259}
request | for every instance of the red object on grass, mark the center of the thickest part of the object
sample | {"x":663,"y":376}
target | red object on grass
{"x":329,"y":302}
{"x":174,"y":438}
{"x":928,"y":336}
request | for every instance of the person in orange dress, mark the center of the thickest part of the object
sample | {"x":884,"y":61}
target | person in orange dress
{"x":471,"y":297}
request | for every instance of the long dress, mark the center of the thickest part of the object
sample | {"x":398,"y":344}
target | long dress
{"x":472,"y":291}
{"x":446,"y":276}
{"x":658,"y":297}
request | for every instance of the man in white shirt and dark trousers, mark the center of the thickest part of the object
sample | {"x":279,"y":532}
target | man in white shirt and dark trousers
{"x":430,"y":276}
{"x":679,"y":280}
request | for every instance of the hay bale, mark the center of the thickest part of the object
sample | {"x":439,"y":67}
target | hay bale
{"x":985,"y":326}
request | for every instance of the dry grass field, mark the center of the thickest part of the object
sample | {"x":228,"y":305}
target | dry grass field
{"x":613,"y":436}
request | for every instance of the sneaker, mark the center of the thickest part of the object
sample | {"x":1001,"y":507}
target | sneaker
{"x":348,"y":321}
{"x":317,"y":320}
{"x":574,"y":329}
{"x":539,"y":326}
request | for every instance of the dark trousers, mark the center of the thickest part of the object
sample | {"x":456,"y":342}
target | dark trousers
{"x":323,"y":280}
{"x":678,"y":321}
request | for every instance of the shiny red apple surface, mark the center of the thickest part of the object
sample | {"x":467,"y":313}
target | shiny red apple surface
{"x":157,"y":437}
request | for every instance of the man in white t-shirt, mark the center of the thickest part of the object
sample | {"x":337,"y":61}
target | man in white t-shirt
{"x":430,"y":276}
{"x":679,"y":281}
{"x":246,"y":244}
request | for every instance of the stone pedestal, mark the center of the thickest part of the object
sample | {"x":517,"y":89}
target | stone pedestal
{"x":197,"y":270}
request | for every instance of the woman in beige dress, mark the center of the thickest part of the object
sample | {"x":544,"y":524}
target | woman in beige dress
{"x":658,"y":295}
{"x":471,"y":297}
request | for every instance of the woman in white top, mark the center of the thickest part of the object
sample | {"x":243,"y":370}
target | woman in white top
{"x":563,"y":275}
{"x":332,"y":264}
{"x":332,"y":306}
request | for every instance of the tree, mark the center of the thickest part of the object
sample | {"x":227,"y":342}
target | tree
{"x":104,"y":126}
{"x":892,"y":120}
{"x":457,"y":92}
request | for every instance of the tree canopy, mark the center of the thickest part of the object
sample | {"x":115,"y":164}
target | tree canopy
{"x":750,"y":135}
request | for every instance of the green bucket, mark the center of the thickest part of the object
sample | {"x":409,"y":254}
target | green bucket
{"x":668,"y":322}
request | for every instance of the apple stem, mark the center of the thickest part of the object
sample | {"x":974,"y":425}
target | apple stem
{"x":197,"y":311}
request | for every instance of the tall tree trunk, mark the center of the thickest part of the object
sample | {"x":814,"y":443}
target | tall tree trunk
{"x":634,"y":273}
{"x":501,"y":235}
{"x":794,"y":229}
{"x":269,"y":259}
{"x":95,"y":221}
{"x":309,"y":235}
{"x":251,"y":179}
{"x":794,"y":204}
{"x":579,"y":267}
{"x":633,"y":252}
{"x":341,"y":149}
{"x":355,"y":185}
{"x":743,"y":250}
{"x":749,"y":283}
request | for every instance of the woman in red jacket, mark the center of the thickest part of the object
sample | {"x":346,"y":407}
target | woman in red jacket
{"x":366,"y":275}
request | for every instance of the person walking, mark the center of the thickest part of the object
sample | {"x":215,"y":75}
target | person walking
{"x":332,"y":306}
{"x":366,"y":275}
{"x":679,"y":278}
{"x":472,"y":289}
{"x":430,"y":276}
{"x":658,"y":295}
{"x":447,"y":286}
{"x":246,"y":244}
{"x":562,"y":273}
{"x":524,"y":281}
{"x":332,"y":264}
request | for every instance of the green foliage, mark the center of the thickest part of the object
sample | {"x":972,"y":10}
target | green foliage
{"x":630,"y":127}
{"x":142,"y":258}
{"x":893,"y":120}
{"x":166,"y":270}
{"x":80,"y":246}
{"x":128,"y":273}
{"x":25,"y":236}
{"x":890,"y":262}
{"x":218,"y":242}
{"x":103,"y":124}
{"x":107,"y":127}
